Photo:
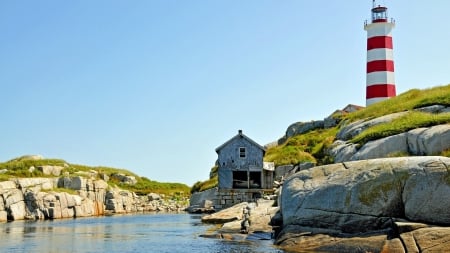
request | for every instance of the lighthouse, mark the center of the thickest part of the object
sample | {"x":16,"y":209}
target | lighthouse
{"x":380,"y":80}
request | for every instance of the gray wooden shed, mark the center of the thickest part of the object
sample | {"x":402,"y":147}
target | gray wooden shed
{"x":241,"y":165}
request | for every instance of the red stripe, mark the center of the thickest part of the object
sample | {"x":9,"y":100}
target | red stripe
{"x":380,"y":65}
{"x":379,"y":42}
{"x":380,"y":20}
{"x":380,"y":91}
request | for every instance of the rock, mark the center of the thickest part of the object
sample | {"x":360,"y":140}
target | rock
{"x":404,"y":227}
{"x":36,"y":183}
{"x":153,"y":196}
{"x":29,"y":157}
{"x":7,"y":185}
{"x":198,"y":200}
{"x":353,"y":129}
{"x":51,"y":170}
{"x":3,"y":216}
{"x":303,"y":127}
{"x":434,"y":109}
{"x":231,"y":218}
{"x":74,"y":183}
{"x":3,"y":171}
{"x":283,"y":171}
{"x":14,"y":204}
{"x":305,"y":165}
{"x":104,"y":177}
{"x":435,"y":239}
{"x":394,"y":245}
{"x":124,"y":178}
{"x":382,"y":148}
{"x":342,"y":151}
{"x":420,"y":141}
{"x":363,"y":196}
{"x":207,"y":204}
{"x":297,"y":239}
{"x":429,"y":141}
{"x":226,"y":215}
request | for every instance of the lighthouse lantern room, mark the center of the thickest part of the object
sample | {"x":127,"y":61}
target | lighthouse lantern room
{"x":380,"y":80}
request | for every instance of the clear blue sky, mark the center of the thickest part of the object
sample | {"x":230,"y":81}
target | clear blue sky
{"x":154,"y":86}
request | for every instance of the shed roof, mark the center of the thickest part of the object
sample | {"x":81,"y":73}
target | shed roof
{"x":240,"y":135}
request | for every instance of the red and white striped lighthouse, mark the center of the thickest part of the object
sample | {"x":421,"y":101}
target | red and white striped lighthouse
{"x":380,"y":80}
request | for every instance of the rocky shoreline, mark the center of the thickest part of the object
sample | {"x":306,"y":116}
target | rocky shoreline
{"x":379,"y":205}
{"x":72,"y":197}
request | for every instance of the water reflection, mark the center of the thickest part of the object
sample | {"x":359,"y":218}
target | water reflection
{"x":127,"y":233}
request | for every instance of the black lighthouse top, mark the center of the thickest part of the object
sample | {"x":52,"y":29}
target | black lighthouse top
{"x":379,"y":13}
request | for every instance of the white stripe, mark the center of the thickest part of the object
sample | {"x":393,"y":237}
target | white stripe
{"x":380,"y":77}
{"x":379,"y":29}
{"x":380,"y":54}
{"x":375,"y":100}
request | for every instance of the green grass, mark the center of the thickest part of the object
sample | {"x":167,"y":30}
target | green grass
{"x":19,"y":168}
{"x":308,"y":147}
{"x":407,"y":101}
{"x":402,"y":124}
{"x":69,"y":191}
{"x":205,"y":185}
{"x":145,"y":186}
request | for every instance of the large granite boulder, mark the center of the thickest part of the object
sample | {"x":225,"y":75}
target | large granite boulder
{"x":362,"y":196}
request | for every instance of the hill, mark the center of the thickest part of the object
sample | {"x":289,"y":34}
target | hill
{"x":37,"y":166}
{"x":313,"y":142}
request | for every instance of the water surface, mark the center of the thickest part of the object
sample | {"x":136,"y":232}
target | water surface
{"x":121,"y":233}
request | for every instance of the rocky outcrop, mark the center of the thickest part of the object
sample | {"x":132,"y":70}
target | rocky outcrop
{"x":37,"y":198}
{"x":421,"y":141}
{"x":331,"y":207}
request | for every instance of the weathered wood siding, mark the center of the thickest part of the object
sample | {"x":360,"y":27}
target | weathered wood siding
{"x":229,"y":160}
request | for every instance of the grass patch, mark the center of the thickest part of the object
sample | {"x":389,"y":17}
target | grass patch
{"x":308,"y":147}
{"x":402,"y":124}
{"x":205,"y":185}
{"x":145,"y":186}
{"x":19,"y":168}
{"x":409,"y":100}
{"x":66,"y":190}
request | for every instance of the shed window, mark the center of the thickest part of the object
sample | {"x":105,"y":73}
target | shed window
{"x":242,"y":153}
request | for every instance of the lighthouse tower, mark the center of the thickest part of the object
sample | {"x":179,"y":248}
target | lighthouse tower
{"x":380,"y":80}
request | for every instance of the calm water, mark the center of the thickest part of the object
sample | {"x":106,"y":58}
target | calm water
{"x":125,"y":233}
